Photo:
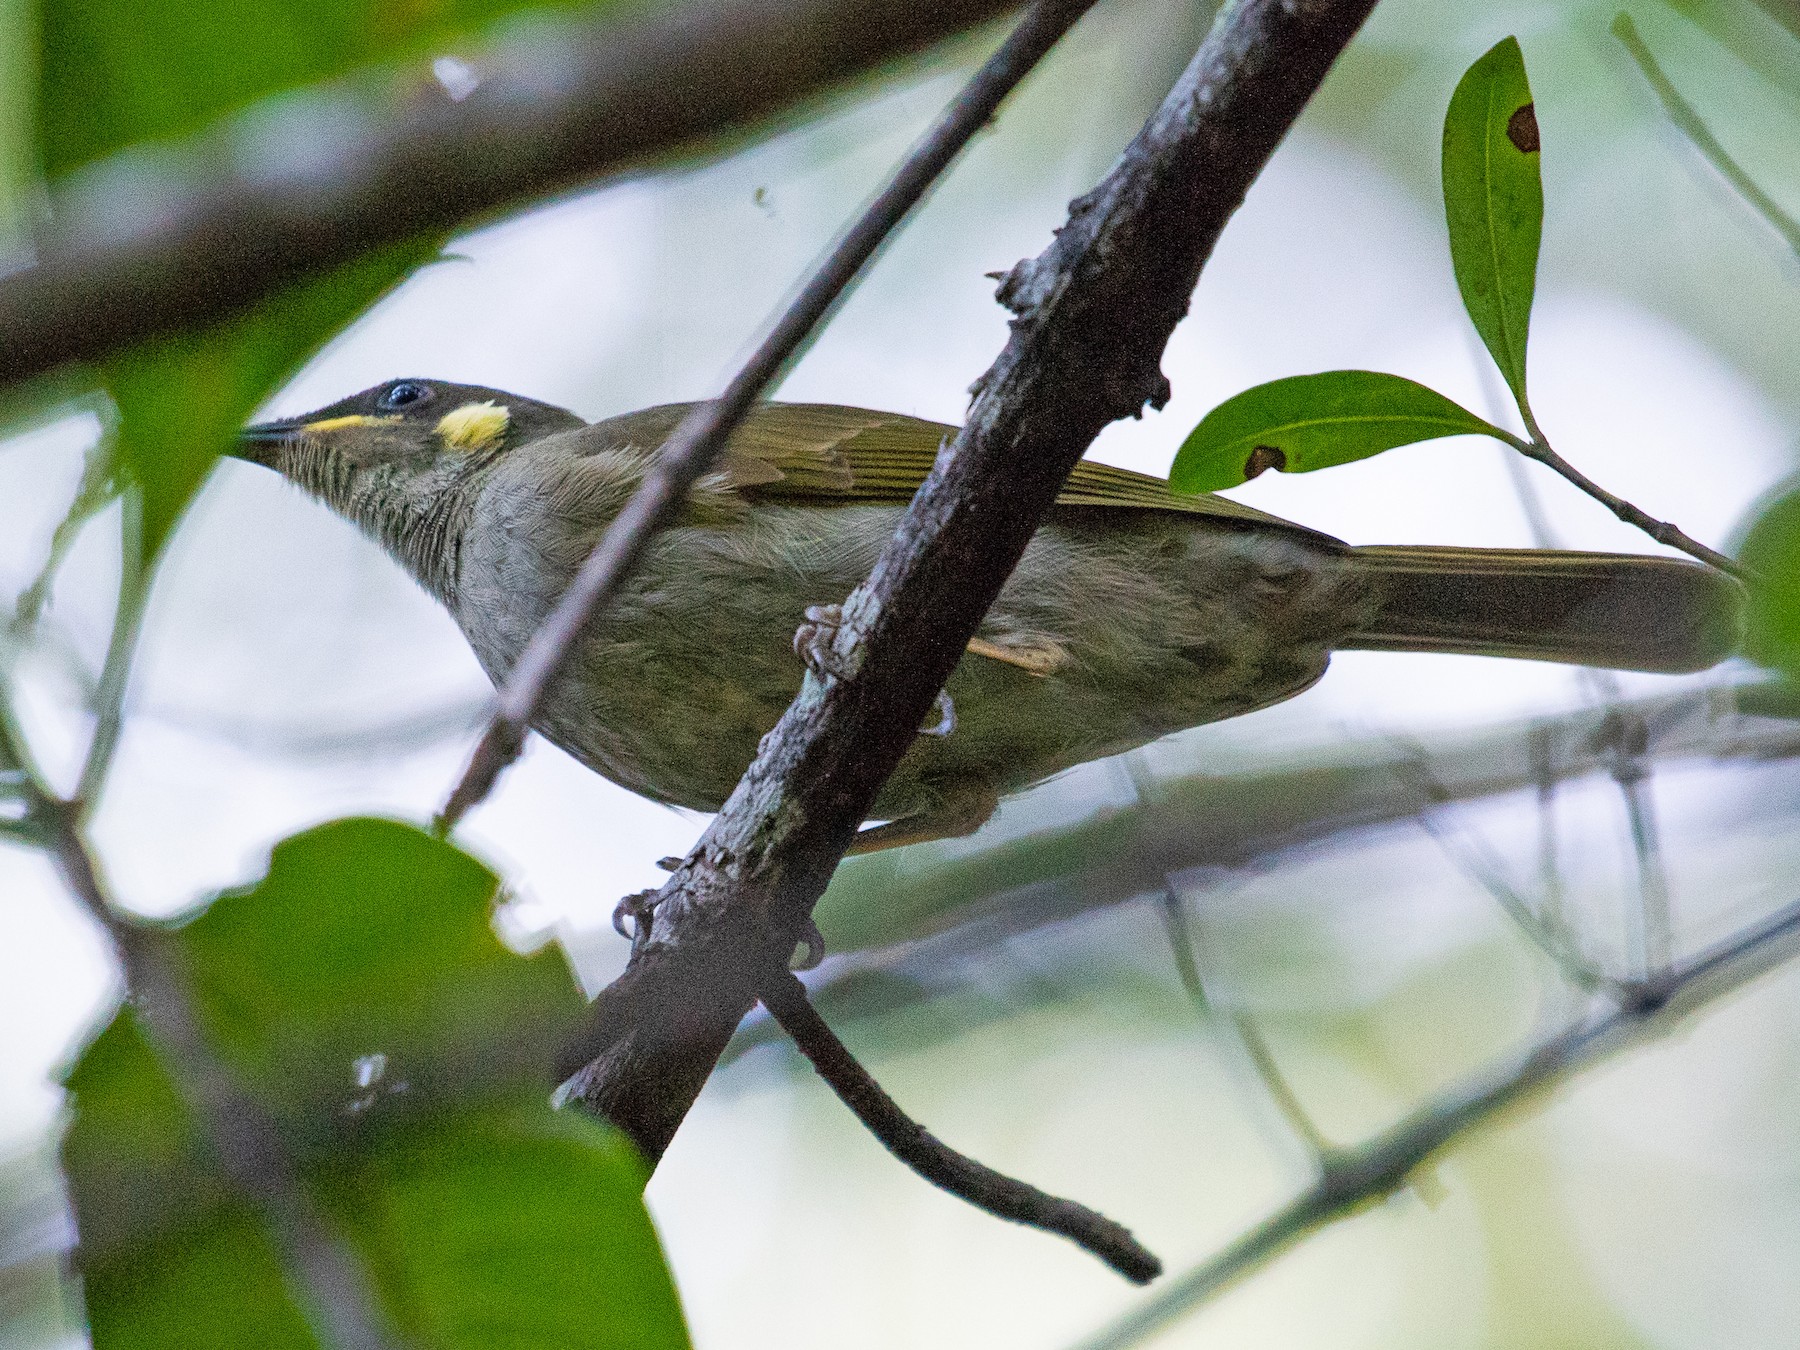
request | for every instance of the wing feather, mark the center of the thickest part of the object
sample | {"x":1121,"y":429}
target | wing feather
{"x":823,"y":453}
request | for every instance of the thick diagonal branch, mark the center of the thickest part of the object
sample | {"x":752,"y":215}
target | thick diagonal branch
{"x":1093,"y":314}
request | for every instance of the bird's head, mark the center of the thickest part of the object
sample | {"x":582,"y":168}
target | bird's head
{"x":397,"y":459}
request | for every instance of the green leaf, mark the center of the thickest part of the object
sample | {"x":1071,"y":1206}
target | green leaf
{"x":359,"y":995}
{"x":1494,"y":202}
{"x":1309,"y":422}
{"x":182,"y":400}
{"x":170,"y":1258}
{"x":115,"y":72}
{"x":134,"y":1157}
{"x":513,"y":1229}
{"x":372,"y":938}
{"x":1771,"y":552}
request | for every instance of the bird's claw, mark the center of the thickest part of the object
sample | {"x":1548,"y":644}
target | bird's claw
{"x":946,"y":711}
{"x":814,"y":942}
{"x":814,"y":639}
{"x":815,"y":643}
{"x":632,"y":917}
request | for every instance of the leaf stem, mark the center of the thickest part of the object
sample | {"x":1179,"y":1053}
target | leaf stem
{"x":115,"y":673}
{"x":1664,"y":532}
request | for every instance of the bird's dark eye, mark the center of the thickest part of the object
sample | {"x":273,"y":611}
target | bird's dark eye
{"x":404,"y":393}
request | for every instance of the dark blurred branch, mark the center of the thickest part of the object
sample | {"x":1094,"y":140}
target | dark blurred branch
{"x":335,"y":1292}
{"x":1354,"y":1178}
{"x":551,"y":113}
{"x":1091,"y":317}
{"x":697,"y":441}
{"x":1242,"y":819}
{"x":1000,"y":1195}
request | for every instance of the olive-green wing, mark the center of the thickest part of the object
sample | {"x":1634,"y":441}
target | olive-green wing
{"x":821,"y":452}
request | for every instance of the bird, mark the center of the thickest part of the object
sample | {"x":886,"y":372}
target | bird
{"x":1134,"y":613}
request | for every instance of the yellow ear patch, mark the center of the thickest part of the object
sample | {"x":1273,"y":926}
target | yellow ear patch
{"x":474,"y":426}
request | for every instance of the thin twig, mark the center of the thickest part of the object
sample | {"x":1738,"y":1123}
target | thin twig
{"x":554,"y":108}
{"x":1000,"y":1195}
{"x":1626,"y":737}
{"x":1625,"y":740}
{"x":697,"y":441}
{"x":93,"y":493}
{"x":1359,"y":1177}
{"x":1475,"y":861}
{"x":1539,"y":449}
{"x":115,"y":671}
{"x":1689,"y":123}
{"x":1250,"y":1038}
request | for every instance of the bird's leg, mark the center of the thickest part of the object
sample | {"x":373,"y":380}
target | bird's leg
{"x":963,"y":813}
{"x":813,"y":644}
{"x":1036,"y":653}
{"x":965,"y":809}
{"x":813,"y":640}
{"x":633,"y":915}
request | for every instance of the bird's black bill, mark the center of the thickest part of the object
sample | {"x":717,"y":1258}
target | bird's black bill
{"x":261,"y":444}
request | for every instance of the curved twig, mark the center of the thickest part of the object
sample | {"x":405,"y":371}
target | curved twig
{"x":1000,"y":1195}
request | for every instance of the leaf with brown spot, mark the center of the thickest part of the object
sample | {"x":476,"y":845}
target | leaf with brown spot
{"x":1494,"y":203}
{"x":1309,"y":422}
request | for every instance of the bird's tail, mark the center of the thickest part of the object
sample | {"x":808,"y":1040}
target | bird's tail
{"x":1590,"y":609}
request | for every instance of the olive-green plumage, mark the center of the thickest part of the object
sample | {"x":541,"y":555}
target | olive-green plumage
{"x":1134,"y":613}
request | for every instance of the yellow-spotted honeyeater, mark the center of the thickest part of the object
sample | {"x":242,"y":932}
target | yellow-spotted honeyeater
{"x":1134,"y":612}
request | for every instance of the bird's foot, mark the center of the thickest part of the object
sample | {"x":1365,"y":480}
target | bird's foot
{"x":633,"y":916}
{"x":946,"y":711}
{"x":814,"y":640}
{"x":815,"y":643}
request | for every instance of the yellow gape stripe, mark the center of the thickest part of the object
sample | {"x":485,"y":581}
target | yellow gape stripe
{"x":331,"y":424}
{"x":474,"y":426}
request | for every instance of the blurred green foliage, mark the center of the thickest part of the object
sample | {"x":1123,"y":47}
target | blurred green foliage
{"x":359,"y":995}
{"x":117,"y":72}
{"x":1771,"y":550}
